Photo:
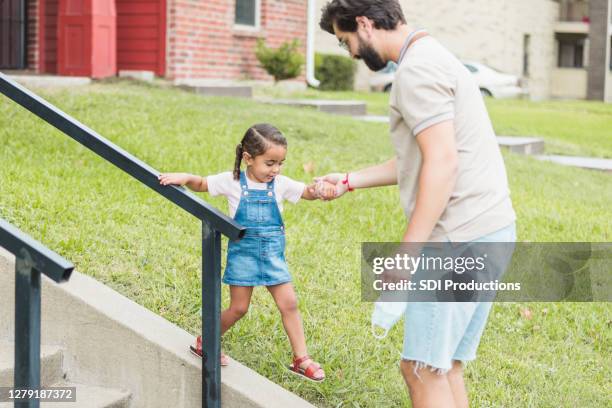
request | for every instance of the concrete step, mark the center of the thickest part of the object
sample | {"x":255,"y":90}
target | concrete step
{"x":588,"y":163}
{"x":234,"y":91}
{"x":351,"y":108}
{"x":52,"y":375}
{"x":49,"y":81}
{"x":51,"y":370}
{"x":522,"y":145}
{"x":87,"y":396}
{"x":373,"y":118}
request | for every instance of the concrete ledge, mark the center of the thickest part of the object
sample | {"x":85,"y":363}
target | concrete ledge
{"x":522,"y":145}
{"x":147,"y":76}
{"x":290,"y":85}
{"x":373,"y":118}
{"x":108,"y":340}
{"x":351,"y":108}
{"x":233,"y":91}
{"x":42,"y":81}
{"x":588,"y":163}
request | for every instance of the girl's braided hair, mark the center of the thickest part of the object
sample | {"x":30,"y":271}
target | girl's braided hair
{"x":256,"y":141}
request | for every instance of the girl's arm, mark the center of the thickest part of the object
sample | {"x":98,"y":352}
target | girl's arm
{"x":193,"y":182}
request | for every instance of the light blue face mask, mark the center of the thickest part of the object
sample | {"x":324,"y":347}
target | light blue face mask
{"x":385,"y":315}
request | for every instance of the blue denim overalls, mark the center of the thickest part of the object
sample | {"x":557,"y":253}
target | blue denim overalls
{"x":258,"y":259}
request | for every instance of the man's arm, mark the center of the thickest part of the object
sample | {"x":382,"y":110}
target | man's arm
{"x":436,"y":179}
{"x":384,"y":174}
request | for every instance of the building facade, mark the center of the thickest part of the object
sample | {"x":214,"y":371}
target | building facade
{"x":537,"y":40}
{"x":176,"y":39}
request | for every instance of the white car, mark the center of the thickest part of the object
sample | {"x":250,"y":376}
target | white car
{"x":491,"y":82}
{"x":494,"y":83}
{"x":382,"y":80}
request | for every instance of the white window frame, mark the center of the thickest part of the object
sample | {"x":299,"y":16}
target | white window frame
{"x":246,"y":27}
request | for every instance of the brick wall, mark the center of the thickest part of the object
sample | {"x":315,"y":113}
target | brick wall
{"x":32,"y":35}
{"x":204,"y":44}
{"x":49,"y":33}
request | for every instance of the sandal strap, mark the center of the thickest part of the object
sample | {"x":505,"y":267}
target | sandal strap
{"x":311,"y":370}
{"x":297,"y":361}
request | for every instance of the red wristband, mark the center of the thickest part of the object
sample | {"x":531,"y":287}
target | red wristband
{"x":346,"y":181}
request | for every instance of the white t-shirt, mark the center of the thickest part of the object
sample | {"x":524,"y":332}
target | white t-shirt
{"x":224,"y":184}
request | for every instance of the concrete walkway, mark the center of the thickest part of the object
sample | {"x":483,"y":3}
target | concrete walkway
{"x":582,"y":162}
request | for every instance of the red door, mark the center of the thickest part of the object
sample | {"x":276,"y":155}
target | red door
{"x":87,"y":38}
{"x":12,"y":34}
{"x":141,"y":35}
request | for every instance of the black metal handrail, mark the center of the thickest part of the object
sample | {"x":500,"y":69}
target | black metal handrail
{"x":31,"y":259}
{"x":214,"y":222}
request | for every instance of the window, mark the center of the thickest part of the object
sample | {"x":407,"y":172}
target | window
{"x":571,"y":50}
{"x":471,"y":68}
{"x":526,"y":44}
{"x":247,"y":13}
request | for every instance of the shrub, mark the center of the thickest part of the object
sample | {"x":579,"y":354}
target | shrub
{"x":284,"y":62}
{"x":336,"y":72}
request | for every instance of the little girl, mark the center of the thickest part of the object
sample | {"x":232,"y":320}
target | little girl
{"x":255,"y":199}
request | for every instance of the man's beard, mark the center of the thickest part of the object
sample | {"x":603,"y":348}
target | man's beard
{"x":371,"y":58}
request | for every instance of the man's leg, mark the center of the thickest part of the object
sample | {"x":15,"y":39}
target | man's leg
{"x":457,"y":385}
{"x":427,"y":388}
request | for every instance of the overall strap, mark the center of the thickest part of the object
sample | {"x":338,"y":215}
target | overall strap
{"x":270,"y":185}
{"x":243,"y":182}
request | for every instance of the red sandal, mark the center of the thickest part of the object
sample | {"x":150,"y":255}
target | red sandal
{"x":309,"y":371}
{"x":197,"y":350}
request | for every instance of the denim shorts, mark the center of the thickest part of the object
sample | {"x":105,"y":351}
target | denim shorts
{"x":436,"y":333}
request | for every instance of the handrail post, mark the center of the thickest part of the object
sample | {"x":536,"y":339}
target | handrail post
{"x":27,"y":327}
{"x":211,"y":316}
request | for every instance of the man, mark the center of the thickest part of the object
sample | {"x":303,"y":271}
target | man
{"x":451,"y":176}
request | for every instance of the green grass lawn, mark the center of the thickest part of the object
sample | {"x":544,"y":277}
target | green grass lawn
{"x":572,"y":128}
{"x":130,"y":238}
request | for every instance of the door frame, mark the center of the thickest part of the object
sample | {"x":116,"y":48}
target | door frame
{"x":22,"y":48}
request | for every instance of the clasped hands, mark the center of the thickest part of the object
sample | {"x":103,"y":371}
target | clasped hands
{"x":328,"y":187}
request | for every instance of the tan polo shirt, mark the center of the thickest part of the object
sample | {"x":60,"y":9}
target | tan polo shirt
{"x":432,"y":86}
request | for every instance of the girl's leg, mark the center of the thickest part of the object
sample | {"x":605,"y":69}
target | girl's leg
{"x":240,"y":298}
{"x":286,"y":301}
{"x":428,"y":389}
{"x":455,"y":379}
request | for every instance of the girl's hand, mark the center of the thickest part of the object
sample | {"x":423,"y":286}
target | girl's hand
{"x":336,"y":180}
{"x":325,"y":190}
{"x":179,"y":179}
